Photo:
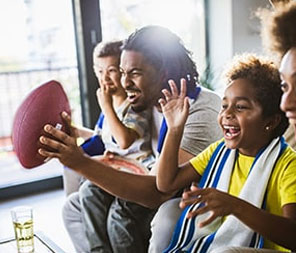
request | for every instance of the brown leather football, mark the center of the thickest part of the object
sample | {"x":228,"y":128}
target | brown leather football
{"x":42,"y":106}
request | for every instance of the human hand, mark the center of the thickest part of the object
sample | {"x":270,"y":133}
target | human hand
{"x":108,"y":158}
{"x":104,"y":97}
{"x":216,"y":202}
{"x":109,"y":155}
{"x":62,"y":145}
{"x":175,"y":107}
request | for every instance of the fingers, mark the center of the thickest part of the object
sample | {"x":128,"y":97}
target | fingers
{"x":52,"y":143}
{"x":58,"y":134}
{"x":102,"y":86}
{"x":194,"y":192}
{"x":205,"y":222}
{"x":193,"y":196}
{"x":46,"y":153}
{"x":174,"y":89}
{"x":168,"y":96}
{"x":109,"y":155}
{"x":200,"y":210}
{"x":66,"y":117}
{"x":211,"y":202}
{"x":184,"y":203}
{"x":107,"y":89}
{"x":67,"y":120}
{"x":186,"y":104}
{"x":104,"y":89}
{"x":190,"y":197}
{"x":183,"y":89}
{"x":212,"y":216}
{"x":162,"y":102}
{"x":208,"y":220}
{"x":190,"y":201}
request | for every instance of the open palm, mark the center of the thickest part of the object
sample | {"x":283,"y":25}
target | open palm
{"x":175,"y":106}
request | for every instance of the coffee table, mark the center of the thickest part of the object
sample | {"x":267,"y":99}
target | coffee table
{"x":42,"y":244}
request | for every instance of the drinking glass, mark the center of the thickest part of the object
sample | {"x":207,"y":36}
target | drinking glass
{"x":22,"y":218}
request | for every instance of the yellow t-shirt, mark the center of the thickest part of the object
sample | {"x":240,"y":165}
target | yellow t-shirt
{"x":281,"y":189}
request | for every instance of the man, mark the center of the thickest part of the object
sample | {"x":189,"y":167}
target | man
{"x":151,"y":56}
{"x":121,"y":131}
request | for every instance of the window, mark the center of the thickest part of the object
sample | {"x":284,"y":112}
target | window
{"x":185,"y":18}
{"x":37,"y":45}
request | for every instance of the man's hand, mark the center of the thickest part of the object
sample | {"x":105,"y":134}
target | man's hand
{"x":175,"y":106}
{"x":64,"y":145}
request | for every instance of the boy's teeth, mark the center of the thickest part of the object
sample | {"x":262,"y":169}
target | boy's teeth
{"x":231,"y":127}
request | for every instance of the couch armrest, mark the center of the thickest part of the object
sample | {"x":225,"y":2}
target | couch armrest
{"x":71,"y":181}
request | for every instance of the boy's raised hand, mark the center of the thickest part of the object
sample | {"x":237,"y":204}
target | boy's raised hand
{"x":104,"y":97}
{"x":175,"y":105}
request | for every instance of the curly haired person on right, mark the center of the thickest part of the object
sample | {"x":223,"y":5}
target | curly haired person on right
{"x":279,"y":33}
{"x":279,"y":38}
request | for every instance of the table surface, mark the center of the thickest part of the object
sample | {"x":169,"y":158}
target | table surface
{"x":42,"y":244}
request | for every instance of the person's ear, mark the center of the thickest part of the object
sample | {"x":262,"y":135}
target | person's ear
{"x":273,"y":122}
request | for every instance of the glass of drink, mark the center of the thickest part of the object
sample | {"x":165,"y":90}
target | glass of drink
{"x":22,"y":218}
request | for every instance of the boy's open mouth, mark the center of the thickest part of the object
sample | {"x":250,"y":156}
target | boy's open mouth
{"x":231,"y":131}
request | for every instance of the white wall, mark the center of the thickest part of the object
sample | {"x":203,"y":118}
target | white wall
{"x":233,"y":29}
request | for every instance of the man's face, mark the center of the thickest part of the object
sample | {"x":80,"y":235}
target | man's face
{"x":141,"y":81}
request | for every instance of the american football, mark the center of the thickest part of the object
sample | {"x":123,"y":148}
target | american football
{"x":42,"y":106}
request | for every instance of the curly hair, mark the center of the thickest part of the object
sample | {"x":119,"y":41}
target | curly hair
{"x":110,"y":48}
{"x":166,"y":52}
{"x":278,"y":28}
{"x":265,"y":79}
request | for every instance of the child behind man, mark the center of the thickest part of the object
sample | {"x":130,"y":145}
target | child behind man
{"x":119,"y":130}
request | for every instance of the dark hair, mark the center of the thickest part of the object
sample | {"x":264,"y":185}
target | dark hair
{"x":264,"y":76}
{"x":166,"y":52}
{"x":278,"y":28}
{"x":110,"y":48}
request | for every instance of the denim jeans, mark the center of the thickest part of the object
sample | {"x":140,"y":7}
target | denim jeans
{"x":163,"y":225}
{"x":107,"y":224}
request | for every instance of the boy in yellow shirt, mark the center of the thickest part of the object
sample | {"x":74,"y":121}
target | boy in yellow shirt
{"x":247,"y":185}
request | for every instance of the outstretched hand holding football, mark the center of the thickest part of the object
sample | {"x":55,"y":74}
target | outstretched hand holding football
{"x":64,"y":145}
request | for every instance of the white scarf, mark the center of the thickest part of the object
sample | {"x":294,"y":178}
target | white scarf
{"x":189,"y":238}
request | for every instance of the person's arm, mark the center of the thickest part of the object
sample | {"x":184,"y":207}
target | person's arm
{"x":184,"y":156}
{"x":279,"y":229}
{"x":136,"y":188}
{"x":175,"y":108}
{"x":123,"y":135}
{"x":85,"y":132}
